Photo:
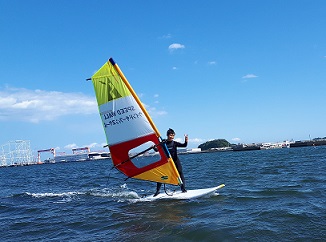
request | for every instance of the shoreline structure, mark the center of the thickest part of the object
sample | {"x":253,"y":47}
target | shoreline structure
{"x":23,"y":157}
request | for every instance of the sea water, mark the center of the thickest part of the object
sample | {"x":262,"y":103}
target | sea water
{"x":270,"y":195}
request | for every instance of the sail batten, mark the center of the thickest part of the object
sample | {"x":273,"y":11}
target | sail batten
{"x":128,"y":125}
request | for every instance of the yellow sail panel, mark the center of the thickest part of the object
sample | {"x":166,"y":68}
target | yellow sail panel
{"x":163,"y":174}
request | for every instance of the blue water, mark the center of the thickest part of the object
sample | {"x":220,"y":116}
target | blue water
{"x":270,"y":195}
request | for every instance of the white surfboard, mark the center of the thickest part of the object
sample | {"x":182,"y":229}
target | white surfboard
{"x":190,"y":194}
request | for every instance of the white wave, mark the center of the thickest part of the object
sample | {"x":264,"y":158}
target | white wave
{"x":51,"y":194}
{"x":124,"y":194}
{"x":121,"y":195}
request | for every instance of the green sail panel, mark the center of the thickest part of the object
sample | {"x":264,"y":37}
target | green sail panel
{"x":108,"y":85}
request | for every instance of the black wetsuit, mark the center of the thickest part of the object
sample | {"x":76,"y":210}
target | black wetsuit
{"x":172,"y":147}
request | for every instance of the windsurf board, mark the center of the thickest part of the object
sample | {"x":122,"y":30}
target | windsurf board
{"x":190,"y":194}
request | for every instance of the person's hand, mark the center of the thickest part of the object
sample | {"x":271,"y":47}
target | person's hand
{"x":186,"y":137}
{"x":154,"y":147}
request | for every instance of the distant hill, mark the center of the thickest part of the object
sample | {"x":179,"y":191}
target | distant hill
{"x":216,"y":143}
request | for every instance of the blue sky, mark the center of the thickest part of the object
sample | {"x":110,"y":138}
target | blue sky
{"x":246,"y":71}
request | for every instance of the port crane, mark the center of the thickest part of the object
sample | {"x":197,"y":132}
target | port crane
{"x":79,"y":150}
{"x":51,"y":150}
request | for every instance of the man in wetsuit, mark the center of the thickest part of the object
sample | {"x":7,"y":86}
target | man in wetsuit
{"x":172,"y":147}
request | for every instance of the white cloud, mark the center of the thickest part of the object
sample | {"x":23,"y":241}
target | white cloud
{"x":153,"y":111}
{"x":167,"y":36}
{"x":249,"y":76}
{"x":174,"y":68}
{"x":190,"y":141}
{"x":39,"y":105}
{"x":176,"y":46}
{"x":71,"y":146}
{"x":93,"y":145}
{"x":156,"y":96}
{"x":161,"y":113}
{"x":180,"y":140}
{"x":212,"y":63}
{"x":196,"y":140}
{"x":236,"y":139}
{"x":34,"y":106}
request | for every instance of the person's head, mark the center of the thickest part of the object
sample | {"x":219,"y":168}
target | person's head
{"x":170,"y":134}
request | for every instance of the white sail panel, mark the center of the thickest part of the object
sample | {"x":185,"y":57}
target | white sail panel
{"x":123,"y":120}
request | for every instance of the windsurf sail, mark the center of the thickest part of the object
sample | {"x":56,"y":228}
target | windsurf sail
{"x":127,"y":125}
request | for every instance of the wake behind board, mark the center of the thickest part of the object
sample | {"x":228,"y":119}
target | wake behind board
{"x":190,"y":194}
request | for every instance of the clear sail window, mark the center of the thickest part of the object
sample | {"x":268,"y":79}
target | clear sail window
{"x":144,"y":155}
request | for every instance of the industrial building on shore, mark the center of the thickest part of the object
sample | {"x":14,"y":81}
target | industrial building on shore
{"x":19,"y":153}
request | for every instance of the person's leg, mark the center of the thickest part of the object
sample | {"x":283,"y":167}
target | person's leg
{"x":183,"y":186}
{"x":179,"y":168}
{"x":158,"y":187}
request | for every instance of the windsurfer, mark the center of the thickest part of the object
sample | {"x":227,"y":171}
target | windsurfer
{"x":172,"y":147}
